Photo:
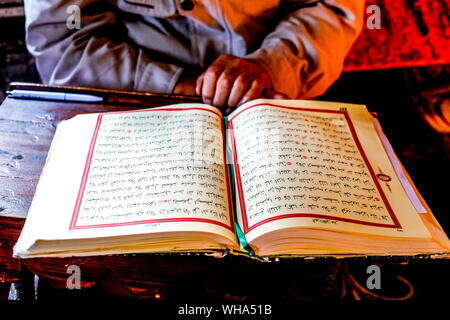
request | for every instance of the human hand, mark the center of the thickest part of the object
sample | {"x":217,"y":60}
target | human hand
{"x":232,"y":81}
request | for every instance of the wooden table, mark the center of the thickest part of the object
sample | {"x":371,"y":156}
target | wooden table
{"x":27,"y":128}
{"x":26,"y":131}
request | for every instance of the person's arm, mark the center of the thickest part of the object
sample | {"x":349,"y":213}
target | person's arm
{"x":305,"y":53}
{"x":97,"y":55}
{"x":300,"y":58}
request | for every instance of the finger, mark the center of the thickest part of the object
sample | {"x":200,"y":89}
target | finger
{"x":210,"y":79}
{"x":240,"y":87}
{"x":224,"y":85}
{"x":199,"y":84}
{"x":270,"y":94}
{"x":279,"y":95}
{"x":256,"y":88}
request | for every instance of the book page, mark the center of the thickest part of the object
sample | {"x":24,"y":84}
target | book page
{"x":152,"y":170}
{"x":315,"y":164}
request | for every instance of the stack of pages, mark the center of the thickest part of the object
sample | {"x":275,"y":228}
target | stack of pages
{"x":274,"y":178}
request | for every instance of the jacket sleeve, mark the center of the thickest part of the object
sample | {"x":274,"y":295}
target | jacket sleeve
{"x":305,"y":53}
{"x":96,"y":55}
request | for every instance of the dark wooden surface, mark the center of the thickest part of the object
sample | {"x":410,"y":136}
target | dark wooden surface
{"x":26,"y":128}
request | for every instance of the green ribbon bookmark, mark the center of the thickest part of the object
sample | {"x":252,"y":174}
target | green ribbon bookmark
{"x":239,"y":233}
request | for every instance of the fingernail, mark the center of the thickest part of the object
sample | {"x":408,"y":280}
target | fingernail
{"x":207,"y":101}
{"x":244,"y":100}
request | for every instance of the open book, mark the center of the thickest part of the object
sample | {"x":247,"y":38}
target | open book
{"x":274,"y":178}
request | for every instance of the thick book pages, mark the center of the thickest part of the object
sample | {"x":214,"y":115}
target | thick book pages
{"x":274,"y":177}
{"x":144,"y":181}
{"x":315,"y":178}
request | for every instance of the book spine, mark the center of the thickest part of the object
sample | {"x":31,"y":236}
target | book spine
{"x":239,"y":233}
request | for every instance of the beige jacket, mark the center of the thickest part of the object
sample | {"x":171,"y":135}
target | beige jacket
{"x":144,"y":45}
